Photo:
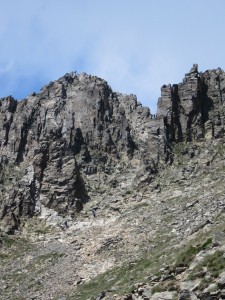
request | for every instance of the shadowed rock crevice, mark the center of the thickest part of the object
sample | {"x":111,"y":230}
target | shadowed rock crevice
{"x":24,"y":131}
{"x":175,"y":120}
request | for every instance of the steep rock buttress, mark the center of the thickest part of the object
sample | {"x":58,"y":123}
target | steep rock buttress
{"x":59,"y":147}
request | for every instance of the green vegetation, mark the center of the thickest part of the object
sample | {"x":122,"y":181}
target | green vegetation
{"x":3,"y":256}
{"x":220,"y":149}
{"x":178,"y":152}
{"x":16,"y":276}
{"x":205,"y":244}
{"x":34,"y":284}
{"x":13,"y":247}
{"x":38,"y":226}
{"x":180,"y":148}
{"x":204,"y":283}
{"x":19,"y":243}
{"x":214,"y":264}
{"x":52,"y":257}
{"x":185,"y":257}
{"x":121,"y":278}
{"x":8,"y":241}
{"x":42,"y":231}
{"x":169,"y":285}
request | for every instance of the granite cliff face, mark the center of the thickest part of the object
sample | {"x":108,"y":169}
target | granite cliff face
{"x":157,"y":181}
{"x":193,"y":110}
{"x":62,"y":146}
{"x":72,"y":141}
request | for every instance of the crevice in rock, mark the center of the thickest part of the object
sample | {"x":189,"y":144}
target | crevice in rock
{"x":177,"y":134}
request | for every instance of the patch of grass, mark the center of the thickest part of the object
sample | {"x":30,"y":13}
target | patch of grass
{"x":121,"y":278}
{"x":16,"y":246}
{"x":16,"y":276}
{"x":180,"y":148}
{"x":37,"y":226}
{"x":220,"y":149}
{"x":12,"y":241}
{"x":36,"y":285}
{"x":204,"y":283}
{"x":140,"y":205}
{"x":8,"y":241}
{"x":165,"y":286}
{"x":214,"y":264}
{"x":4,"y":256}
{"x":52,"y":257}
{"x":205,"y":244}
{"x":185,"y":258}
{"x":42,"y":231}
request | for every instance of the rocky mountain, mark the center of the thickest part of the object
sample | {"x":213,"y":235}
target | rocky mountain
{"x":155,"y":183}
{"x":62,"y":147}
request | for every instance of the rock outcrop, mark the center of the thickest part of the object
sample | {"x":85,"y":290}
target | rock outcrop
{"x":193,"y":109}
{"x":77,"y":139}
{"x":63,"y":145}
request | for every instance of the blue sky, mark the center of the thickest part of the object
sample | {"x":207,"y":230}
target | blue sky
{"x":136,"y":45}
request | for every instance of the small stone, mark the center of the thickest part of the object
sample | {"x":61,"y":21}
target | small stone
{"x":204,"y":296}
{"x":101,"y":295}
{"x":180,"y":270}
{"x":141,"y":290}
{"x":222,"y":294}
{"x":164,"y":296}
{"x":211,"y":288}
{"x":221,"y":281}
{"x":127,"y":297}
{"x":185,"y":295}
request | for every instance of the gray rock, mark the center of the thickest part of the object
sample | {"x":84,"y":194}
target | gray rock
{"x":187,"y":295}
{"x":205,"y":296}
{"x":222,"y":294}
{"x":62,"y":147}
{"x":184,"y":295}
{"x":221,"y":281}
{"x":148,"y":292}
{"x":190,"y":285}
{"x":213,"y":287}
{"x":101,"y":296}
{"x":164,"y":296}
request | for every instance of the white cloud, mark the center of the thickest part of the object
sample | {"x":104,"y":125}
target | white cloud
{"x":8,"y":67}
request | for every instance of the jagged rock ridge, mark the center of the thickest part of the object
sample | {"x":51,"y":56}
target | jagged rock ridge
{"x":76,"y":138}
{"x":193,"y":109}
{"x":55,"y":144}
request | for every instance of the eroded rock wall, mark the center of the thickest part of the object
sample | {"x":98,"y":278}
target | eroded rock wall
{"x":59,"y":147}
{"x":77,"y":139}
{"x":194,"y":109}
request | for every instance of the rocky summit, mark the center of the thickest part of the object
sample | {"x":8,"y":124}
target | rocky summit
{"x":101,"y":199}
